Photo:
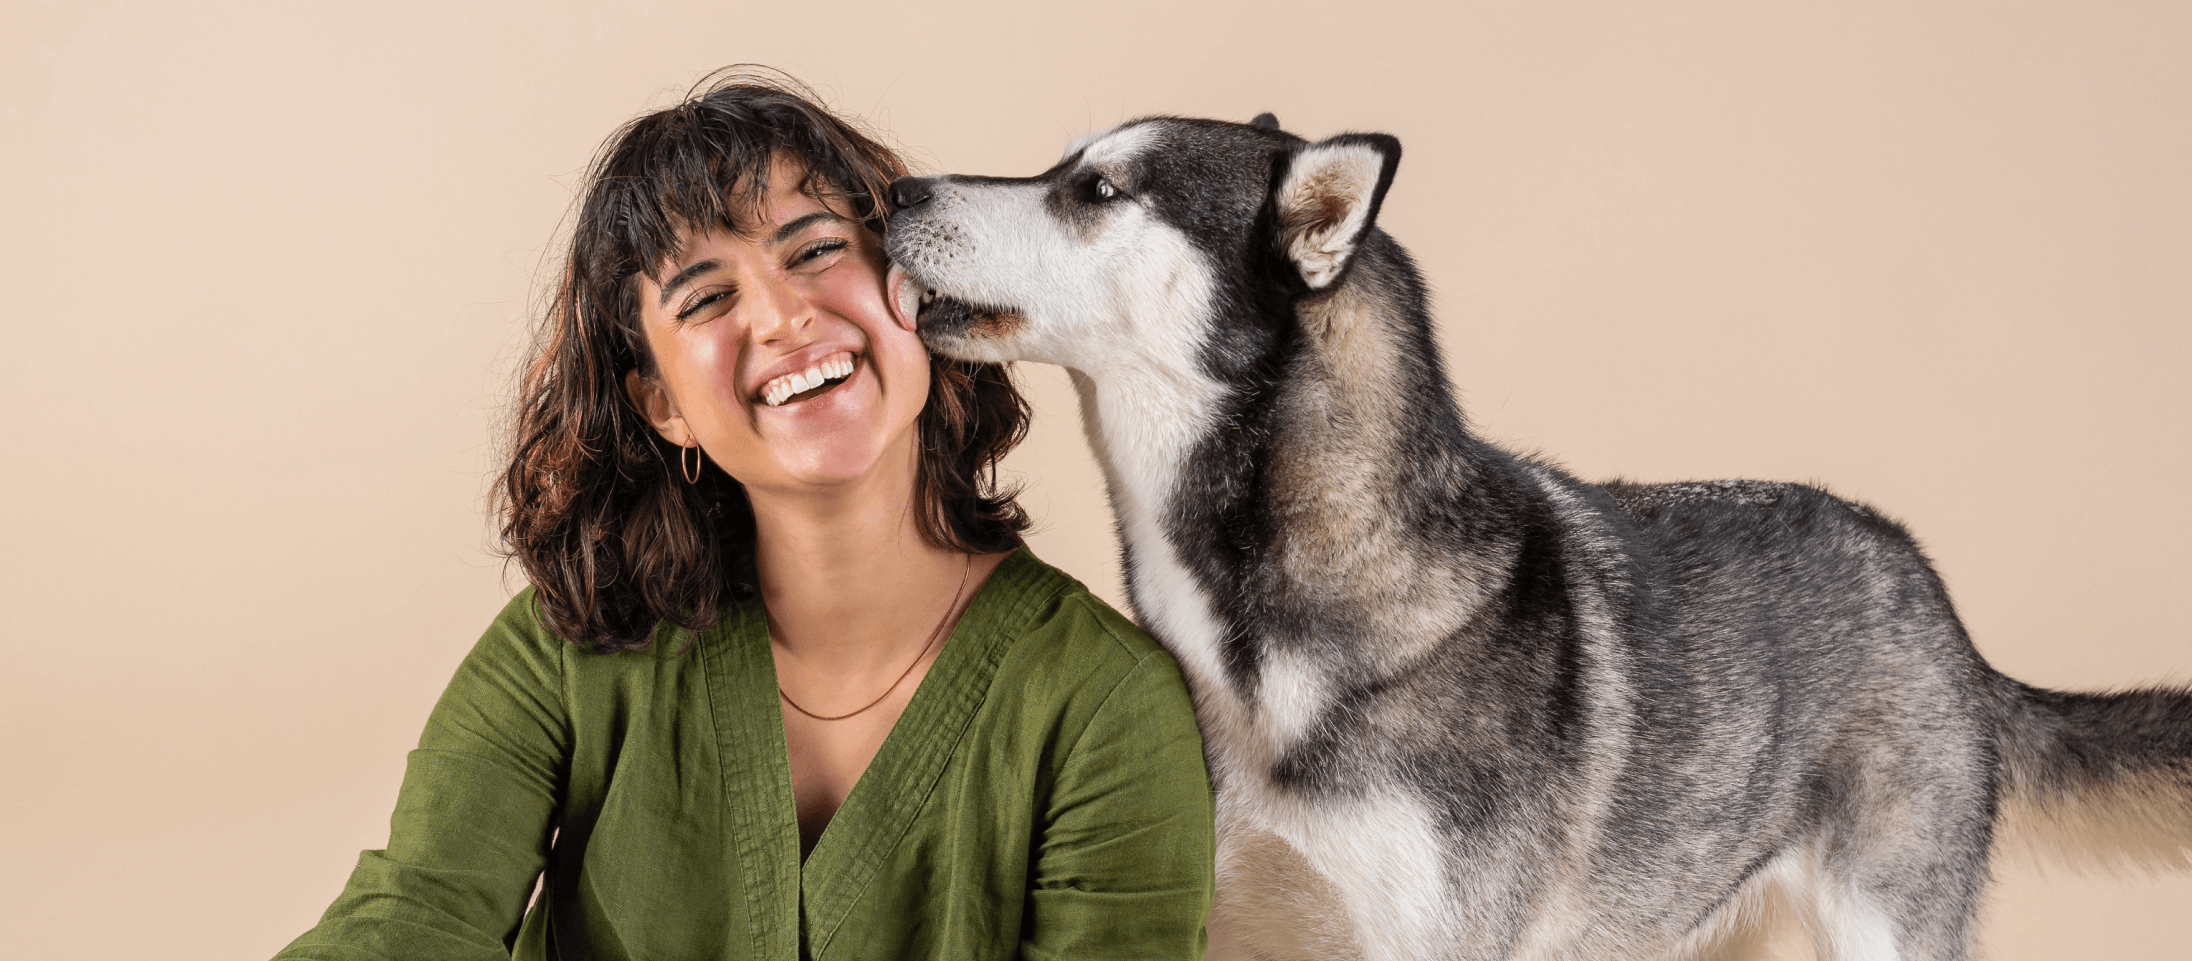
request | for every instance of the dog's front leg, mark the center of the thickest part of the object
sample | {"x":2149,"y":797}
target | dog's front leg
{"x":1271,"y":904}
{"x":1406,"y":894}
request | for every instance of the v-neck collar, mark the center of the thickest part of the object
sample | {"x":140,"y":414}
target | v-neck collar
{"x":757,"y":780}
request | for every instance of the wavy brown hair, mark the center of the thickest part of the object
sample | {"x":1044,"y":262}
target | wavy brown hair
{"x":613,"y":539}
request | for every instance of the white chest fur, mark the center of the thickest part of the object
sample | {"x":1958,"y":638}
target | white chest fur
{"x":1297,"y":878}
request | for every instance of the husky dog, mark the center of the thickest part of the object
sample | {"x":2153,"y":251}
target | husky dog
{"x":1458,"y":703}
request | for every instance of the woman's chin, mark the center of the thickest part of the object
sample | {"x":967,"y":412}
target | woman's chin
{"x":842,"y":461}
{"x":831,"y":473}
{"x":841,"y":438}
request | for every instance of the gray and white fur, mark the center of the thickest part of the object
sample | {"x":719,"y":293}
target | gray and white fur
{"x":1458,"y":703}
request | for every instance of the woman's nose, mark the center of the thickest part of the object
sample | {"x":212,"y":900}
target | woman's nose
{"x":783,"y":310}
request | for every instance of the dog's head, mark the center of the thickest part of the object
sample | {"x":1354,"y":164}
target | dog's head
{"x":1149,"y":243}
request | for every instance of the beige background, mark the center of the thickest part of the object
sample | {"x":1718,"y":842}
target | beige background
{"x":266,"y":272}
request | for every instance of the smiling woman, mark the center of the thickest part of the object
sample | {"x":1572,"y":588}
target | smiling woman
{"x":801,"y":693}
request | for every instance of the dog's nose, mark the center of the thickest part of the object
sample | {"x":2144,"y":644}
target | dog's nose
{"x":909,"y":191}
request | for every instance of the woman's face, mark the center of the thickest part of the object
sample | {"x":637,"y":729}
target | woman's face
{"x":778,"y":352}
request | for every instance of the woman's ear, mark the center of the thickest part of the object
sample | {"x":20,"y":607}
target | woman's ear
{"x":655,"y":403}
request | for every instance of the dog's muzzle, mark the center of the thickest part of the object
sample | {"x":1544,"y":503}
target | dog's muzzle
{"x":938,"y":316}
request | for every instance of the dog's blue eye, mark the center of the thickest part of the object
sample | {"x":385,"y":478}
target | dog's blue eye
{"x":1105,"y":190}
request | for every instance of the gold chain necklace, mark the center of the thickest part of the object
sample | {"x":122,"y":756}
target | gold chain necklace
{"x":933,"y":635}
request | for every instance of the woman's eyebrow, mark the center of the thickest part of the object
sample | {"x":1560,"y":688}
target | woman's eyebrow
{"x":797,"y":224}
{"x":685,"y":277}
{"x":784,"y":233}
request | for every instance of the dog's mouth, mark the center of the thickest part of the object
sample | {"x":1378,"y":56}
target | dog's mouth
{"x":937,"y":313}
{"x":950,"y":315}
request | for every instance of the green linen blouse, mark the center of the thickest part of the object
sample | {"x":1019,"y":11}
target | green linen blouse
{"x":1043,"y":796}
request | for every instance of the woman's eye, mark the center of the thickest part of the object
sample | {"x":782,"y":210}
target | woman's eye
{"x":701,"y":303}
{"x":820,"y":250}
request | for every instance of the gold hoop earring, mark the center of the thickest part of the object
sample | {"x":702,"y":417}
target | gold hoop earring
{"x":692,"y":474}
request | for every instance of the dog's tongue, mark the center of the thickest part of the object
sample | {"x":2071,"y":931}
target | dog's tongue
{"x":904,"y":296}
{"x":938,"y":314}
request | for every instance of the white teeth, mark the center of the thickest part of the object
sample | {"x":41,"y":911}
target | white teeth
{"x":777,"y":391}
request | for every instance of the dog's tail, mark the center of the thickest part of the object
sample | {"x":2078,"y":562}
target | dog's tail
{"x":2096,"y":780}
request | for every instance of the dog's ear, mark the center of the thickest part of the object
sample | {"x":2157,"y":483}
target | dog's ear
{"x":1266,"y":121}
{"x":1329,"y":197}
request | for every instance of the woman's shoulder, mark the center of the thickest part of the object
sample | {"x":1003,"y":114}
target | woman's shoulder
{"x":1063,"y":639}
{"x":1051,"y":607}
{"x":1074,"y":673}
{"x":521,"y":631}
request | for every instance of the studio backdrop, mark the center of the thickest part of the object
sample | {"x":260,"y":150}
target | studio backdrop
{"x":269,"y":269}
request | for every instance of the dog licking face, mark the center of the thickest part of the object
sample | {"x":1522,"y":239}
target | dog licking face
{"x":1140,"y":225}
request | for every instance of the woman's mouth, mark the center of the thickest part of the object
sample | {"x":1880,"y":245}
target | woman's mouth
{"x":812,"y":382}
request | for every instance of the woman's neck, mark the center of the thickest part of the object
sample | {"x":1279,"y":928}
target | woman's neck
{"x":847,"y":576}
